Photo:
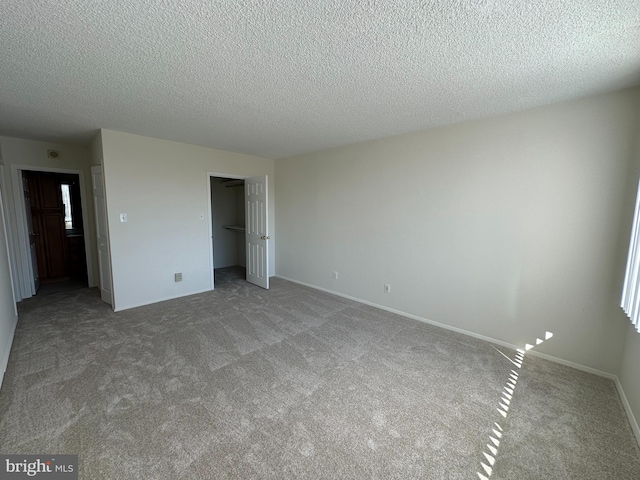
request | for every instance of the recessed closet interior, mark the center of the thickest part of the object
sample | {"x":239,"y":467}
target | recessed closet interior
{"x":227,"y":222}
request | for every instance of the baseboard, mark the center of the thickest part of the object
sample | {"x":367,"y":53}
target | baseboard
{"x":157,"y":300}
{"x":405,"y":314}
{"x":577,"y":366}
{"x":495,"y":341}
{"x":4,"y":361}
{"x":628,"y":411}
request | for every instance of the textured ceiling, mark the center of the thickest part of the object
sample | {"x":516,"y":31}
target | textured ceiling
{"x":279,"y":77}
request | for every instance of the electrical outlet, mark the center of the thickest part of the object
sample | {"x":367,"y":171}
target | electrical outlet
{"x":177,"y":277}
{"x":335,"y":275}
{"x":387,"y":288}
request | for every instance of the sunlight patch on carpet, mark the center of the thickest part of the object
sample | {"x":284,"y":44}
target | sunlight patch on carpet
{"x":504,"y":403}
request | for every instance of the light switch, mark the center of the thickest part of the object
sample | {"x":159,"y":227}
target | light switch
{"x":123,"y":218}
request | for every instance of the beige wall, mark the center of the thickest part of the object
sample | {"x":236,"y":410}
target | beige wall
{"x":33,"y":155}
{"x":505,"y":227}
{"x":163,"y":188}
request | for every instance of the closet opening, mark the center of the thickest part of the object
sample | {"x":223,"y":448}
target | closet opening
{"x":228,"y":229}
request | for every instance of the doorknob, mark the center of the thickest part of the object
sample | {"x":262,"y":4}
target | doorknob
{"x":264,"y":237}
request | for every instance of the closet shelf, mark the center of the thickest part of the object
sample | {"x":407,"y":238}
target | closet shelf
{"x":235,"y":228}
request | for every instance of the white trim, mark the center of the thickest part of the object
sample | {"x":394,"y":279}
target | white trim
{"x":7,"y":237}
{"x":163,"y":299}
{"x":211,"y":175}
{"x":210,"y":223}
{"x":25,"y":273}
{"x":567,"y":363}
{"x":106,"y":213}
{"x":99,"y":169}
{"x":577,"y":366}
{"x":11,"y":249}
{"x":5,"y":360}
{"x":409,"y":315}
{"x":88,"y":247}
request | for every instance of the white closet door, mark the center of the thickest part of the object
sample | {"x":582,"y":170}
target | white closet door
{"x":255,"y":193}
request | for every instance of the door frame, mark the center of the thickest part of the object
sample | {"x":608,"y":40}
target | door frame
{"x":100,"y":283}
{"x":10,"y":231}
{"x":24,"y":273}
{"x":4,"y":218}
{"x":211,"y":175}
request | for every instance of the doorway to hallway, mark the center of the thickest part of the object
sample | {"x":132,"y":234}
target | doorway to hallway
{"x":53,"y":207}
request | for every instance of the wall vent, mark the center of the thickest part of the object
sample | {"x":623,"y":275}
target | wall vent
{"x":55,"y":154}
{"x":178,"y":277}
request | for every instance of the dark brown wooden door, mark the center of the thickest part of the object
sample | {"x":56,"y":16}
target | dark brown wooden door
{"x":47,"y":212}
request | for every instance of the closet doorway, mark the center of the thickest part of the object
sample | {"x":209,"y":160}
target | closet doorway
{"x":228,"y":228}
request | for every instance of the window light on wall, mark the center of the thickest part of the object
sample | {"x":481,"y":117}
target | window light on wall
{"x":630,"y":302}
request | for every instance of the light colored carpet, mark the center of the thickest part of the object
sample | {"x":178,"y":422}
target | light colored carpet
{"x":293,"y":383}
